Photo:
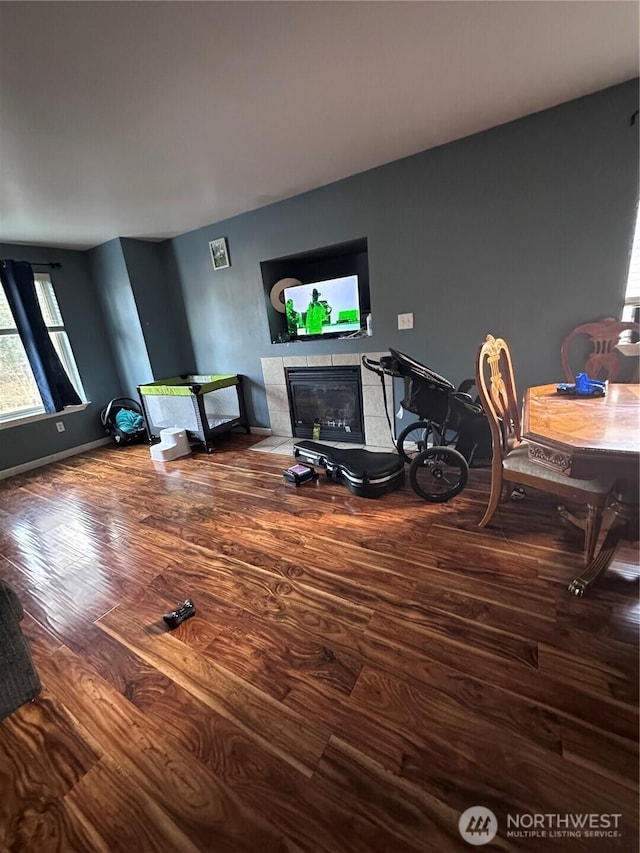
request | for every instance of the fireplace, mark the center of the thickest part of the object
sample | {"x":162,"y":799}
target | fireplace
{"x":328,"y":396}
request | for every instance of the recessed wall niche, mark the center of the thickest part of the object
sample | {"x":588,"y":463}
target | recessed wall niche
{"x":335,"y":261}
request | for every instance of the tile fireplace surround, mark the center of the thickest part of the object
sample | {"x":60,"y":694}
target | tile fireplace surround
{"x":376,"y":428}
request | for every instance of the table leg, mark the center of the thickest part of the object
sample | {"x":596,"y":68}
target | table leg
{"x":620,"y":518}
{"x":601,"y":561}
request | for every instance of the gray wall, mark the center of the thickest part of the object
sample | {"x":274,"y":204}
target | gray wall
{"x":523,"y":231}
{"x":159,"y":307}
{"x":84,"y":321}
{"x":110,"y":273}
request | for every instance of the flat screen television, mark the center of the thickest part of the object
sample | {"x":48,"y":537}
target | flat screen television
{"x":323,"y":308}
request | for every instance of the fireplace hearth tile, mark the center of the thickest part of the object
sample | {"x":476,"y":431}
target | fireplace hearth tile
{"x":273,"y":371}
{"x":348,"y":358}
{"x":277,"y":400}
{"x":319,"y":361}
{"x":373,"y":401}
{"x":285,"y":448}
{"x":281,"y":423}
{"x":376,"y":432}
{"x":272,"y":442}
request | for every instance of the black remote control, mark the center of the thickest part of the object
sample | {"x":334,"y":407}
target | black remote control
{"x":180,"y":614}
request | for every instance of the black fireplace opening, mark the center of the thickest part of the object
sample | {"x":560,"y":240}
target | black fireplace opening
{"x":328,"y":399}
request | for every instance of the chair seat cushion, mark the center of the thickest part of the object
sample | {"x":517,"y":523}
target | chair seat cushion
{"x":518,"y":462}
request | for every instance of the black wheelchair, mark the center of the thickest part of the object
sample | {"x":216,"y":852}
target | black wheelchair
{"x":451,"y":435}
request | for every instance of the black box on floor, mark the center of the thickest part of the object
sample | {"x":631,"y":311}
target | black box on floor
{"x":300,"y":474}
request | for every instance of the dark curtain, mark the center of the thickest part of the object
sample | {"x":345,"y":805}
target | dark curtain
{"x":53,"y":383}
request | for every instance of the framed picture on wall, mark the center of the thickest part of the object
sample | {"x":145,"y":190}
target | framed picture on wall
{"x":219,"y":253}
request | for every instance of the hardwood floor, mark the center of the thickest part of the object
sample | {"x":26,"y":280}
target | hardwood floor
{"x":359,"y":672}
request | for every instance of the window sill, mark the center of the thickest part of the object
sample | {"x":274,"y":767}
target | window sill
{"x":42,"y":416}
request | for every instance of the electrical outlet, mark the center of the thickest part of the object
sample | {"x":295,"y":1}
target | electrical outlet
{"x":59,"y":426}
{"x":405,"y":321}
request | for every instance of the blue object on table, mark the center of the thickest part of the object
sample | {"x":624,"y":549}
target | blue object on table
{"x":583,"y":387}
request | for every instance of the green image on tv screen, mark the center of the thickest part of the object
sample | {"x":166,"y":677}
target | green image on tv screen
{"x":330,"y":307}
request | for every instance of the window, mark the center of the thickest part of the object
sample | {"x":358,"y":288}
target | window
{"x":19,"y":395}
{"x":632,"y":296}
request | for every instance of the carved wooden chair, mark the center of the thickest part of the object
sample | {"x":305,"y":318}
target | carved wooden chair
{"x":510,"y":460}
{"x":603,"y":361}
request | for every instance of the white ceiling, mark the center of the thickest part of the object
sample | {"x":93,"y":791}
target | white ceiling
{"x":149,"y":119}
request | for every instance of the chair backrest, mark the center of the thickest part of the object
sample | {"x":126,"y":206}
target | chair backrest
{"x":602,"y":362}
{"x":497,"y":392}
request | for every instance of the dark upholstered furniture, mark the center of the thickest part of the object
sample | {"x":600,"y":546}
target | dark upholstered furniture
{"x":19,"y":682}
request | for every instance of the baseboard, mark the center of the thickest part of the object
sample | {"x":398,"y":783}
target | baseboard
{"x":54,"y":457}
{"x":260,"y":430}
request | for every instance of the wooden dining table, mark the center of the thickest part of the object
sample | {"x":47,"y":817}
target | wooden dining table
{"x":587,"y":437}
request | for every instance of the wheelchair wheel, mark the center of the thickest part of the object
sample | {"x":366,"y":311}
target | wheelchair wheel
{"x":413,"y":439}
{"x":438,"y":474}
